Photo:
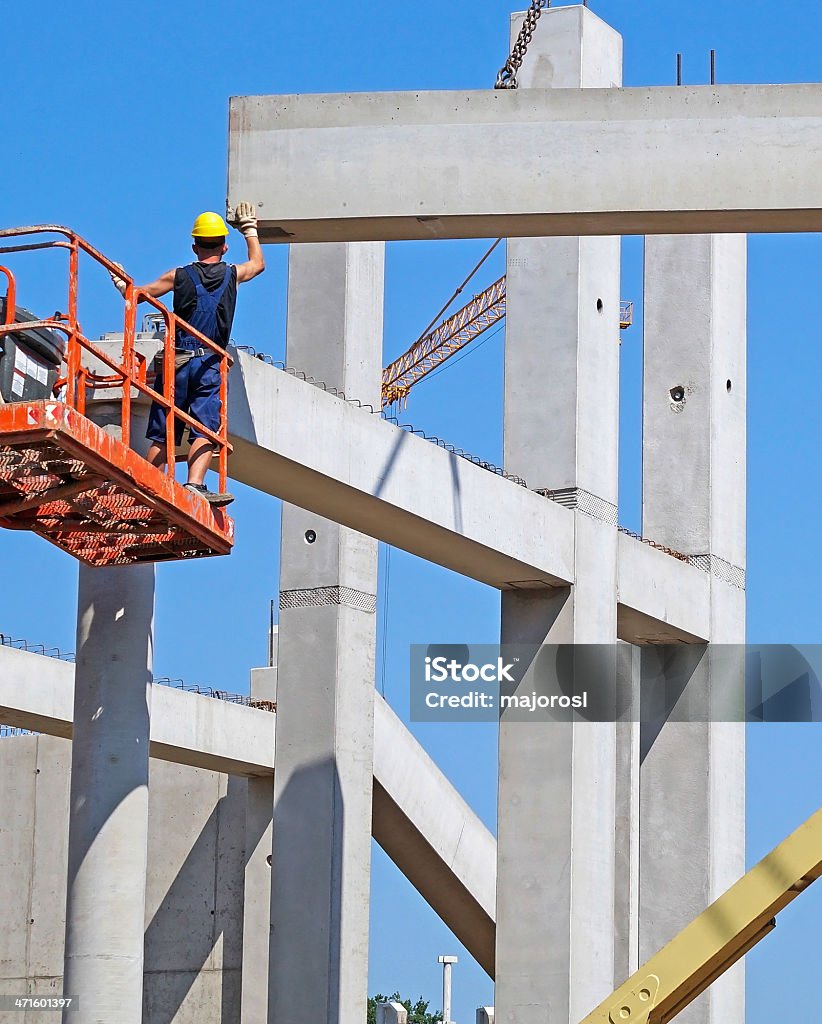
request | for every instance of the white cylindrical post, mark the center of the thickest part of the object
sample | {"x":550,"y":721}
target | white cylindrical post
{"x":447,"y":963}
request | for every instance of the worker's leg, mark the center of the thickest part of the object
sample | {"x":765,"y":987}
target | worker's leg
{"x":156,"y":454}
{"x":199,"y":459}
{"x":206,"y":408}
{"x":156,"y":432}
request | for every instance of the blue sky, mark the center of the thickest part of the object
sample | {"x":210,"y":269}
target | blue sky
{"x":119,"y":129}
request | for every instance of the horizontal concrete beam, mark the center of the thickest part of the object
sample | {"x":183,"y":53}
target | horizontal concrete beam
{"x":338,"y":167}
{"x":315,"y":450}
{"x":418,"y":818}
{"x":433,"y":836}
{"x":37,"y":693}
{"x":660,"y":599}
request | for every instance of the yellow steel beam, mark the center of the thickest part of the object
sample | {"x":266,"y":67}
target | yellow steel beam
{"x":720,"y":936}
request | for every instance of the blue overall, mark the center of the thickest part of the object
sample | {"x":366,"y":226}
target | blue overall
{"x":197,"y":382}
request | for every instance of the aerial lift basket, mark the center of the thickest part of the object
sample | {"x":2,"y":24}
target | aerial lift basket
{"x":79,"y":485}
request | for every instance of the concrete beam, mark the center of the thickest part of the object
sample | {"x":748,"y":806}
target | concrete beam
{"x":660,"y":599}
{"x":313,"y":449}
{"x":37,"y":693}
{"x":357,"y":167}
{"x":189,"y":728}
{"x":433,"y":836}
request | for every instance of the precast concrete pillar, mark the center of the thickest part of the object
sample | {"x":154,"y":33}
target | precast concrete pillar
{"x":692,"y":789}
{"x":257,"y":888}
{"x":108,"y":815}
{"x":556,"y":874}
{"x":320,"y":884}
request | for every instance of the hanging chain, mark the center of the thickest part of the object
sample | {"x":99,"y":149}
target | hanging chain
{"x":507,"y":78}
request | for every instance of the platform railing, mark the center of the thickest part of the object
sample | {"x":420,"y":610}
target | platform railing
{"x":130,"y":372}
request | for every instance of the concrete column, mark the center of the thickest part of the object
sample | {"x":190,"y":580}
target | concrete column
{"x":257,"y":888}
{"x":108,"y":810}
{"x":320,"y":886}
{"x":692,"y":799}
{"x":108,"y":824}
{"x":556,"y":876}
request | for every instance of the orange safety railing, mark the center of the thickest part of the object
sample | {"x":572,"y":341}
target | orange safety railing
{"x":131,"y":371}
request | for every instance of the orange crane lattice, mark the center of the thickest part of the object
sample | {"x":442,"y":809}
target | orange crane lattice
{"x":460,"y":329}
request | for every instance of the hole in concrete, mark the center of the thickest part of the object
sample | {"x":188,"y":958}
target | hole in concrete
{"x":310,"y":536}
{"x":728,"y":386}
{"x":600,"y":305}
{"x":678,"y":393}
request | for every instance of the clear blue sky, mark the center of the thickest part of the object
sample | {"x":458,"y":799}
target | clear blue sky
{"x":114,"y":121}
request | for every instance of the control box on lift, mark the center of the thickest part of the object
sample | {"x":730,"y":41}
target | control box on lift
{"x":30,"y":360}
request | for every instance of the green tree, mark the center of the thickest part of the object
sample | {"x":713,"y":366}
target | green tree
{"x":417,"y":1012}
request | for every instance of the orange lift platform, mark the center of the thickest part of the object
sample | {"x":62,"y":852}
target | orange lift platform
{"x":79,"y":486}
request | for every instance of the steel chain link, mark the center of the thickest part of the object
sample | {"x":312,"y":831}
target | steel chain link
{"x":507,"y":77}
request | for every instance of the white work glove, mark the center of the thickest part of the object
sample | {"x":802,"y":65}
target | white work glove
{"x":245,"y":219}
{"x":118,"y":282}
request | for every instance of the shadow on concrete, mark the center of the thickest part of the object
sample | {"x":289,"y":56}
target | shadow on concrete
{"x":456,"y":492}
{"x":388,"y":468}
{"x":113,"y":707}
{"x":189,"y":918}
{"x":300,"y":942}
{"x":669,"y":674}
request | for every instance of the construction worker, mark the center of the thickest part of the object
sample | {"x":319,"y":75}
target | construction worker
{"x":205,"y":294}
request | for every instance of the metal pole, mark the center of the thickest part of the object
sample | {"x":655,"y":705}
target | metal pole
{"x":271,"y":635}
{"x":447,"y":962}
{"x":679,"y":69}
{"x":713,"y":67}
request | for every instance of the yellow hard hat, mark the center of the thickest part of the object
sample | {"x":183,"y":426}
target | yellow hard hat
{"x":209,"y":225}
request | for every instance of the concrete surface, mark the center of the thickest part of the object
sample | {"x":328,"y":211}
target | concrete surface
{"x":314,"y":450}
{"x":194,"y":901}
{"x":556,"y":878}
{"x":388,"y":484}
{"x":415,"y":806}
{"x":363,"y":166}
{"x":692,"y":797}
{"x":108,"y":808}
{"x":324,"y":757}
{"x":433,"y":836}
{"x":391,"y":1013}
{"x":187,"y":728}
{"x":257,"y":883}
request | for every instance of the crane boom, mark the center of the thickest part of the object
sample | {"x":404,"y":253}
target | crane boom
{"x":438,"y":345}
